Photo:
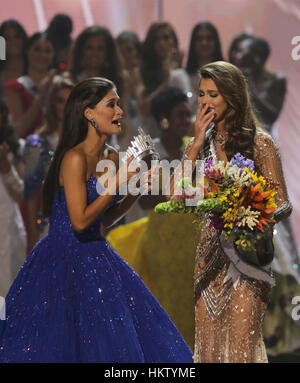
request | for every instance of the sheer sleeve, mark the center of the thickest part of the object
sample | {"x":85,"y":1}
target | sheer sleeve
{"x":268,"y":163}
{"x":187,"y":148}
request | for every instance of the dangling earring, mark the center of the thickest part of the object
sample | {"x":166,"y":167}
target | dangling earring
{"x":93,"y":122}
{"x":164,"y":124}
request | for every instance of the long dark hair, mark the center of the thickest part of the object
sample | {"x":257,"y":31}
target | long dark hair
{"x":11,"y":23}
{"x":85,"y":94}
{"x":59,"y":30}
{"x":192,"y":61}
{"x":112,"y":69}
{"x":151,"y":67}
{"x":240,"y":119}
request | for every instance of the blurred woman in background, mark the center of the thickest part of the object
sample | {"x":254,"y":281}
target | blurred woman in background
{"x":27,"y":96}
{"x":39,"y":150}
{"x":268,"y":90}
{"x":15,"y":64}
{"x":59,"y":33}
{"x":95,"y":54}
{"x":205,"y":47}
{"x":130,"y":49}
{"x":160,"y":55}
{"x":12,"y":232}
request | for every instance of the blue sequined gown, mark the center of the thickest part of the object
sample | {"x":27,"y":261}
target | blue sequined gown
{"x":76,"y":300}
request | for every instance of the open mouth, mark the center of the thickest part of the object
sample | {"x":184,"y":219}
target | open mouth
{"x":117,"y":122}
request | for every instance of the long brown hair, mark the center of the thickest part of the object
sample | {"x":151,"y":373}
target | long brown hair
{"x":151,"y":66}
{"x":112,"y":67}
{"x":240,"y":120}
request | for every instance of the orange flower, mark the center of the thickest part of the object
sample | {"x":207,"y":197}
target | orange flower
{"x":255,"y":189}
{"x":260,"y":196}
{"x":269,"y":211}
{"x":263,"y":221}
{"x":258,"y":206}
{"x":215,"y":187}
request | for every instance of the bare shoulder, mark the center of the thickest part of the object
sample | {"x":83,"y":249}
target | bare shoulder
{"x":73,"y":162}
{"x":74,"y":157}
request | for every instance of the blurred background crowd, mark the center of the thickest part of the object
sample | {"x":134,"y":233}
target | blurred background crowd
{"x":158,"y":83}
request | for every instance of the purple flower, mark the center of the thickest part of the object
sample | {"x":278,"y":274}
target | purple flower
{"x":216,"y":222}
{"x":242,"y":162}
{"x":208,"y":165}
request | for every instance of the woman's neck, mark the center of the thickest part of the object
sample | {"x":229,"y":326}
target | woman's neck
{"x":94,"y":145}
{"x":37,"y":75}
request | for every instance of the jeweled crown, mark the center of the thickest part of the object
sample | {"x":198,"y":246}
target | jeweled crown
{"x":141,"y":147}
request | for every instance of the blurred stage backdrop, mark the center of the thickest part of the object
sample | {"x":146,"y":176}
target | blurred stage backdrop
{"x":278,"y":21}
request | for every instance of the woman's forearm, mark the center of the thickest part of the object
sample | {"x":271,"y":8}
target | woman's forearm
{"x":115,"y":213}
{"x":92,"y":211}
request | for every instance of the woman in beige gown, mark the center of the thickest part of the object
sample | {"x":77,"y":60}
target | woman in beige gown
{"x":230,"y":296}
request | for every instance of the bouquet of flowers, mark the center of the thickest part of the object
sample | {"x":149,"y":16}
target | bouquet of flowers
{"x":239,"y":203}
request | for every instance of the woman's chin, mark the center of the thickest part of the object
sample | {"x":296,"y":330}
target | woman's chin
{"x":117,"y":130}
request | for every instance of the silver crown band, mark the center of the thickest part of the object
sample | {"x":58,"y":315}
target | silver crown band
{"x":141,"y":146}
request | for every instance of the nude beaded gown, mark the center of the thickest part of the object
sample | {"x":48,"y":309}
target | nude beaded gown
{"x":229,"y":316}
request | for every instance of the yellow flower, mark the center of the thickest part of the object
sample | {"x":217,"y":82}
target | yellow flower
{"x":271,"y":204}
{"x":257,"y":179}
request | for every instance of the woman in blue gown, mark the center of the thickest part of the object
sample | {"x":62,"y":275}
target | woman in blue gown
{"x":75,"y":299}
